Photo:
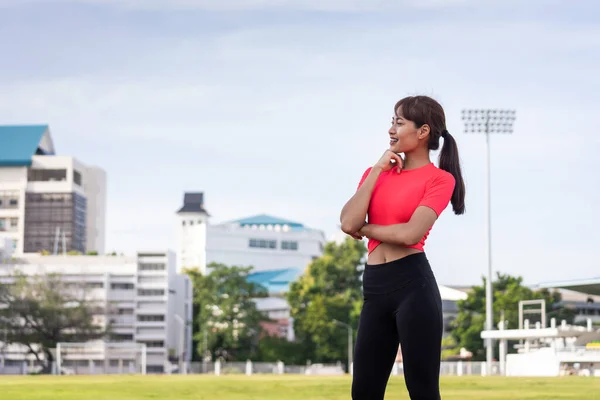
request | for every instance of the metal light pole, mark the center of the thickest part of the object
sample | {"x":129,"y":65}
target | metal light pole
{"x":349,"y":341}
{"x":488,"y":121}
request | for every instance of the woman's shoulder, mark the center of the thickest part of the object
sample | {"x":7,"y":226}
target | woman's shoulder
{"x":439,"y":175}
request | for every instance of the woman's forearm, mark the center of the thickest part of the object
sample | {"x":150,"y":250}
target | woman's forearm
{"x":354,"y":213}
{"x":399,"y":234}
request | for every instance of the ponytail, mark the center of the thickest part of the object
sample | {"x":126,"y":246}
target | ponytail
{"x":450,"y":162}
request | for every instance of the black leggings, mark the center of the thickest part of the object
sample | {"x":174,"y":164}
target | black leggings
{"x":402,"y":304}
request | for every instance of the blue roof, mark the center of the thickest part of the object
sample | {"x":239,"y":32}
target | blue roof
{"x":18,"y":143}
{"x":263,"y":219}
{"x":276,"y":281}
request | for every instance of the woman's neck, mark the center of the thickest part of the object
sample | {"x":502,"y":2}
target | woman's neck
{"x":416,"y":159}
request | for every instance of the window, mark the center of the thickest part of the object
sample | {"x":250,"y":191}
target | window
{"x":45,"y":212}
{"x":289,"y":245}
{"x":13,"y":203}
{"x":121,"y":286}
{"x":121,"y":337}
{"x":151,"y":318}
{"x":125,"y":311}
{"x":14,"y":222}
{"x":151,"y":292}
{"x":152,"y":267}
{"x":46,"y":175}
{"x":154,"y":344}
{"x":191,"y":223}
{"x":183,"y":223}
{"x":2,"y":224}
{"x":94,"y":285}
{"x":263,"y":243}
{"x":77,"y":177}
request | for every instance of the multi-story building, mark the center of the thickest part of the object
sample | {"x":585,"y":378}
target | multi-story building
{"x":48,"y":202}
{"x":143,"y":297}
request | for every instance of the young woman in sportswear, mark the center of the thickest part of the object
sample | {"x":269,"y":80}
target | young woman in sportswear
{"x":401,"y":199}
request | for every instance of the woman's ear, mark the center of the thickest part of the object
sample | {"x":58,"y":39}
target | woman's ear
{"x":424,"y":131}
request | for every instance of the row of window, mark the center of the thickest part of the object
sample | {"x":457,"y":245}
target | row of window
{"x":121,"y":286}
{"x":152,"y":267}
{"x":272,"y":244}
{"x":151,"y":318}
{"x":52,"y":175}
{"x":191,"y":222}
{"x":117,"y":286}
{"x":263,"y":243}
{"x":151,"y":292}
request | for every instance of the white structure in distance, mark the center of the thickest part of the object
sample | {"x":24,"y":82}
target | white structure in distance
{"x":143,"y":296}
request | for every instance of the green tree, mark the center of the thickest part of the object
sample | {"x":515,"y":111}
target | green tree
{"x":329,"y":290}
{"x":507,"y":292}
{"x":273,"y":348}
{"x":225,"y":312}
{"x":41,"y":311}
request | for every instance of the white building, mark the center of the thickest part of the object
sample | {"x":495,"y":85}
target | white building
{"x":48,"y":202}
{"x":143,"y":296}
{"x":265,"y":242}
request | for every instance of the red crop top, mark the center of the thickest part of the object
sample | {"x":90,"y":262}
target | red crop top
{"x":396,"y":196}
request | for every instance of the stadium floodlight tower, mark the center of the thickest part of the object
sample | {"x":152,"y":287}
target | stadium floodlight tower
{"x":488,"y":121}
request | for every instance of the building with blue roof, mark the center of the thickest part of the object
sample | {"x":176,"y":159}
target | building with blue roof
{"x":265,"y":242}
{"x":48,"y":202}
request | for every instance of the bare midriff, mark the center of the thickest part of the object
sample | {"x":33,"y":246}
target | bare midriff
{"x":386,"y":252}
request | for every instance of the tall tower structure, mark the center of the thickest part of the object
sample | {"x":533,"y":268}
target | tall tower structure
{"x":192,"y":219}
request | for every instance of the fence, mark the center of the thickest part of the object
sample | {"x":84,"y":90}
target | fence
{"x":20,"y":367}
{"x":447,"y":368}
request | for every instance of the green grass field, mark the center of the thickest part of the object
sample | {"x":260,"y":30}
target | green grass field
{"x":287,"y":387}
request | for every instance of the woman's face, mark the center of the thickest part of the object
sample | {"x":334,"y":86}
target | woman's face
{"x":404,"y":135}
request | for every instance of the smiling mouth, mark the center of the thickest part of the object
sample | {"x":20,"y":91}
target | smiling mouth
{"x":393,"y":141}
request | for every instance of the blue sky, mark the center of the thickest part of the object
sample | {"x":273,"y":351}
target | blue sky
{"x":279,"y":106}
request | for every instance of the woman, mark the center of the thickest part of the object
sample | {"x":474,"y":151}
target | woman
{"x":402,"y":199}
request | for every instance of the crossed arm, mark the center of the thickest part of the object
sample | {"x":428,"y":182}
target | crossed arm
{"x":407,"y":234}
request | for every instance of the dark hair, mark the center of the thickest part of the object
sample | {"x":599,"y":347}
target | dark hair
{"x":425,"y":110}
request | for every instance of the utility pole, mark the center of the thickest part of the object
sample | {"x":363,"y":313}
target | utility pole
{"x":488,"y":121}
